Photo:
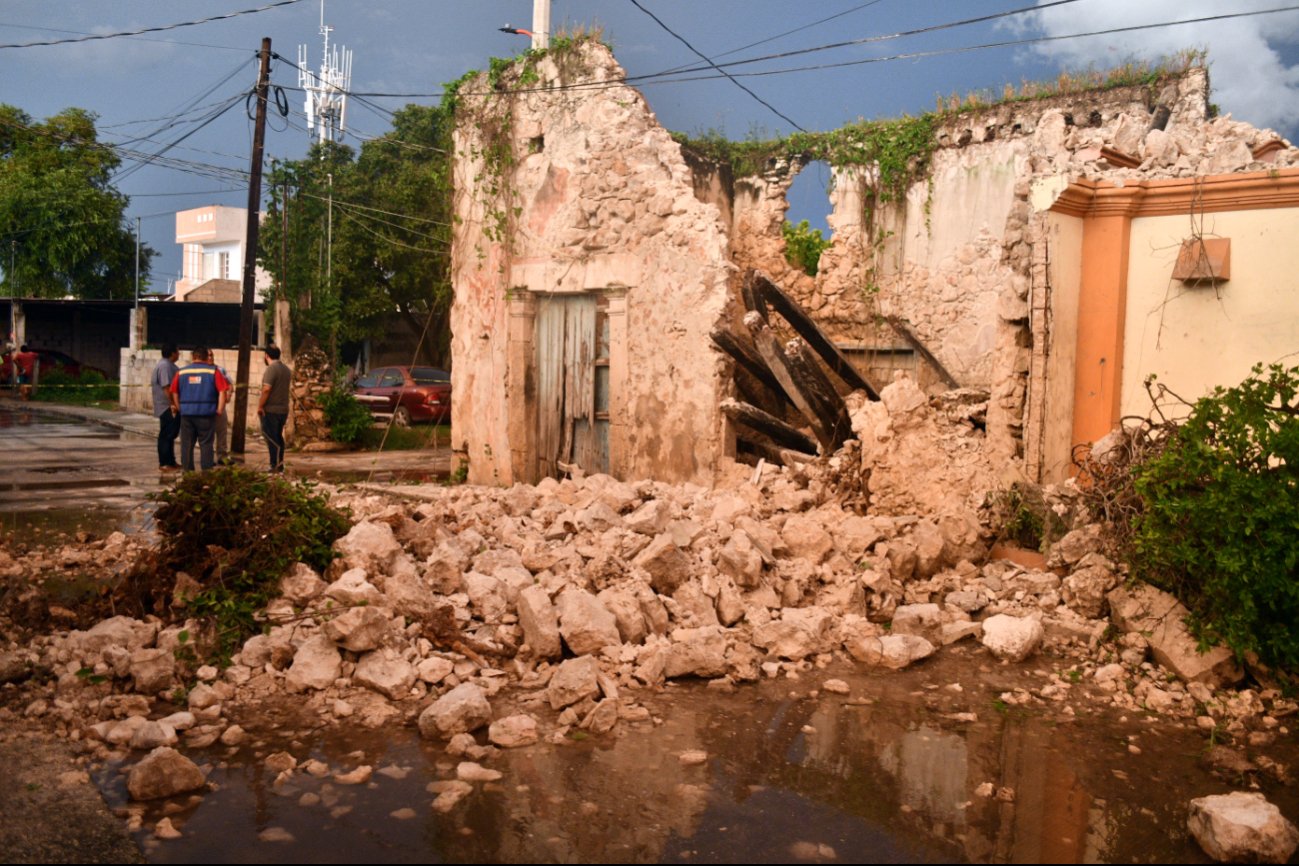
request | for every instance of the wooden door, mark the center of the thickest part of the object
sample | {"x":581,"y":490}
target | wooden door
{"x":569,"y":430}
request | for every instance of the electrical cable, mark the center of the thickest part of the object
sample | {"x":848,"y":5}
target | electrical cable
{"x":97,"y":36}
{"x":139,"y":38}
{"x":682,"y":40}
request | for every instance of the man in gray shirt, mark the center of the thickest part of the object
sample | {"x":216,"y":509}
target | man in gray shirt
{"x":273,"y":408}
{"x":168,"y":420}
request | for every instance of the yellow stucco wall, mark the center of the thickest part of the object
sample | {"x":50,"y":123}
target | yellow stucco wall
{"x":1195,"y":337}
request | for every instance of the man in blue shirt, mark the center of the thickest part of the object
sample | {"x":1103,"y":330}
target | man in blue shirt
{"x":168,"y":418}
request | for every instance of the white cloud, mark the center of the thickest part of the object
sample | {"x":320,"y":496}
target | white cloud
{"x":1248,"y":75}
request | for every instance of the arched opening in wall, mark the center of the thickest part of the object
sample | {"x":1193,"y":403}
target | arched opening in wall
{"x":807,"y":230}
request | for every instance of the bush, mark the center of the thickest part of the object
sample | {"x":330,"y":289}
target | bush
{"x":1219,"y":518}
{"x":803,"y":246}
{"x":347,"y":418}
{"x":59,"y":386}
{"x":237,"y":532}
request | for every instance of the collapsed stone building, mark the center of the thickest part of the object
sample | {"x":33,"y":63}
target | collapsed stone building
{"x":1052,"y":252}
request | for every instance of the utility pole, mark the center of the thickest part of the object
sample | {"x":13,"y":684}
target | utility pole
{"x":540,"y":24}
{"x":137,"y":263}
{"x":240,"y":423}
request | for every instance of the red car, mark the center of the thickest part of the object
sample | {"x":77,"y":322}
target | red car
{"x":408,"y":394}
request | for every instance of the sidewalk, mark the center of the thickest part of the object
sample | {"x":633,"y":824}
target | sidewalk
{"x":385,"y":466}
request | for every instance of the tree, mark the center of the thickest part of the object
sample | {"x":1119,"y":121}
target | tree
{"x":389,"y":250}
{"x":62,"y":223}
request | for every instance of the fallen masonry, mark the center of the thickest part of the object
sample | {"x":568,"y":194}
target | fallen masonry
{"x":499,"y":618}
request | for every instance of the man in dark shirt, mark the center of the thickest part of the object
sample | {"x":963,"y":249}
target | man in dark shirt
{"x":168,"y":418}
{"x":198,"y":393}
{"x":273,"y":408}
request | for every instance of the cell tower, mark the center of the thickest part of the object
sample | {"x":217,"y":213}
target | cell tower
{"x":326,"y":90}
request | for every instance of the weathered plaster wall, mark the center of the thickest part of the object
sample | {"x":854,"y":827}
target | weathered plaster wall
{"x":1194,"y":338}
{"x":1057,"y":328}
{"x":596,"y":198}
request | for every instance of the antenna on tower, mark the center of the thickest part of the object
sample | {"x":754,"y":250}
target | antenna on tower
{"x":327,"y":90}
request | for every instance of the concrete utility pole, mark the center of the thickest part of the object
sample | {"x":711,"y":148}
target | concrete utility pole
{"x":240,"y":423}
{"x":540,"y":24}
{"x":137,"y":263}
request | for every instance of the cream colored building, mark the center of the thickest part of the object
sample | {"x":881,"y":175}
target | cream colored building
{"x":212,"y":259}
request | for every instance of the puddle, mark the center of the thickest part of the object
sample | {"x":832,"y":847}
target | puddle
{"x":887,"y":774}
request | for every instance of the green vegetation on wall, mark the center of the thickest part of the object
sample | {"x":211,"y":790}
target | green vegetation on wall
{"x":803,"y":246}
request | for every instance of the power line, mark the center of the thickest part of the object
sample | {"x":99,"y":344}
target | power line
{"x":96,"y":36}
{"x":809,"y":26}
{"x":139,"y":38}
{"x":901,"y":34}
{"x":682,"y":40}
{"x":135,"y":195}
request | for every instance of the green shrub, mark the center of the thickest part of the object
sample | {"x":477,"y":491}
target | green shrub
{"x":803,"y":246}
{"x":59,"y":386}
{"x":347,"y":417}
{"x":237,"y":532}
{"x":1219,"y":523}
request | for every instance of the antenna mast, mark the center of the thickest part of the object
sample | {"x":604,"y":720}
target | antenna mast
{"x":326,"y":100}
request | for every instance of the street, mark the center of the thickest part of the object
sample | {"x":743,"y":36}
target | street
{"x":61,"y":474}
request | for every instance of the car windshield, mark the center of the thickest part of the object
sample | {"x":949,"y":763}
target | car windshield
{"x":429,"y":376}
{"x":369,"y":380}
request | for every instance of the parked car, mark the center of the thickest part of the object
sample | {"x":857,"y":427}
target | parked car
{"x":49,"y":360}
{"x":408,"y":394}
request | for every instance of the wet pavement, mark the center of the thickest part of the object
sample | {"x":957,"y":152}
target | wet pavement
{"x":922,"y":765}
{"x":65,"y":469}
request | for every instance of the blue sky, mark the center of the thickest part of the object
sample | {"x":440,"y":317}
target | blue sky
{"x":414,"y":46}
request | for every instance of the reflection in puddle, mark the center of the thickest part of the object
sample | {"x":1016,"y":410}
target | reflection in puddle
{"x":888,"y":775}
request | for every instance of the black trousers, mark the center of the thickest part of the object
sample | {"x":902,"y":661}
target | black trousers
{"x":168,"y":430}
{"x":273,"y":430}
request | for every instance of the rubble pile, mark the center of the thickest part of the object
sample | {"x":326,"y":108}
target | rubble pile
{"x":496,"y":618}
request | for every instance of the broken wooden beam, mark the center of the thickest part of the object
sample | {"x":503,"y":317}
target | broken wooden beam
{"x":803,"y":325}
{"x":820,"y":391}
{"x":746,"y":355}
{"x":774,"y":354}
{"x":753,"y":302}
{"x":772,"y":453}
{"x":898,"y":324}
{"x":782,"y":434}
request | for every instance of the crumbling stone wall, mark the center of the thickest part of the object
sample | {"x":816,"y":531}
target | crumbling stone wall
{"x":580,"y":192}
{"x":954,"y":258}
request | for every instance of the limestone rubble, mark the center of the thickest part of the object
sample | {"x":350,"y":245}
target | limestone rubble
{"x":549,"y":610}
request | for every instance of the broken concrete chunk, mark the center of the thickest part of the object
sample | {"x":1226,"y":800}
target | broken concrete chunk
{"x":741,"y":559}
{"x":800,"y":632}
{"x":922,"y":620}
{"x":805,"y":537}
{"x":667,"y":565}
{"x":514,"y":731}
{"x":574,"y":681}
{"x":316,"y":665}
{"x":893,"y":651}
{"x":118,"y":631}
{"x":302,"y":584}
{"x":1242,"y":827}
{"x":164,"y":772}
{"x":152,"y":670}
{"x":488,"y":595}
{"x":462,"y":710}
{"x":1012,"y":638}
{"x":392,"y":677}
{"x":369,"y":545}
{"x":352,"y":587}
{"x":540,"y":622}
{"x":1161,"y":618}
{"x":359,"y":629}
{"x":697,"y":652}
{"x":626,"y":610}
{"x":405,"y":591}
{"x":445,"y":568}
{"x":584,"y":623}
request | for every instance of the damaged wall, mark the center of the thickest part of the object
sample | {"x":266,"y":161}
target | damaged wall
{"x":570,"y":194}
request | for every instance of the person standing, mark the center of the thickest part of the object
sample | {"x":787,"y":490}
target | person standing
{"x":222,"y":436}
{"x":199,"y":394}
{"x":273,"y":407}
{"x":26,"y":361}
{"x":168,"y":418}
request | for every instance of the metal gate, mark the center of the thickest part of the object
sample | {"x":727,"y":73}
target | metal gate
{"x":572,"y":419}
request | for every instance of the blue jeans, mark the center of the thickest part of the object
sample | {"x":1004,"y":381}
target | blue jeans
{"x":273,"y":430}
{"x":168,"y":430}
